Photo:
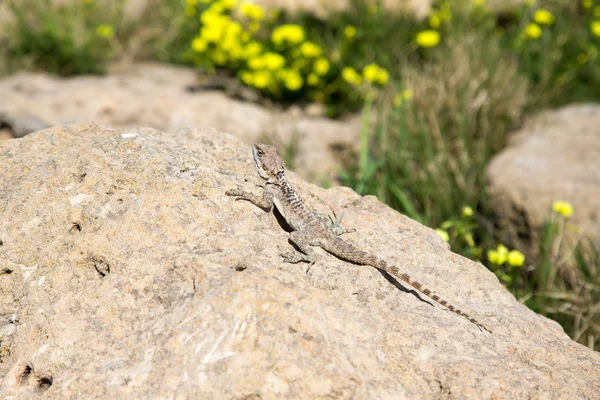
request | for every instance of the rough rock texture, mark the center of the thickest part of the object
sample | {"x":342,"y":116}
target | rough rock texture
{"x":324,"y":8}
{"x":125,"y":272}
{"x":556,"y":156}
{"x":157,"y":96}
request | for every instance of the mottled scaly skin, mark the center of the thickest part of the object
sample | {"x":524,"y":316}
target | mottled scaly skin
{"x":308,"y":230}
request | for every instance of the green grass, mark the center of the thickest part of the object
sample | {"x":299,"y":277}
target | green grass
{"x":427,"y":156}
{"x":77,"y":38}
{"x":428,"y":133}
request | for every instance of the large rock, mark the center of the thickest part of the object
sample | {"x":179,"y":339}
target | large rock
{"x":158,"y":96}
{"x":125,"y":272}
{"x":556,"y":156}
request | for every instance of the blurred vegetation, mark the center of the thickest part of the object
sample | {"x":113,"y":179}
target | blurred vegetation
{"x":439,"y":97}
{"x":77,"y":38}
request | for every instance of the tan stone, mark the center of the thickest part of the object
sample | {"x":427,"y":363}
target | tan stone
{"x":158,"y":96}
{"x":555,"y":156}
{"x":127,"y":273}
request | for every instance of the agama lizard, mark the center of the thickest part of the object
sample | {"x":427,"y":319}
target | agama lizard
{"x":310,"y":230}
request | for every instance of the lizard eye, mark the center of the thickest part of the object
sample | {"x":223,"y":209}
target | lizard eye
{"x":260,"y":152}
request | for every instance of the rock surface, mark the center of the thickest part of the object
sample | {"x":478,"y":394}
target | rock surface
{"x":125,"y":272}
{"x":556,"y":156}
{"x":157,"y":96}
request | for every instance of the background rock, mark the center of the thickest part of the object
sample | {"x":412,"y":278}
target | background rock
{"x":556,"y":156}
{"x":324,"y":8}
{"x":126,"y":272}
{"x":157,"y":96}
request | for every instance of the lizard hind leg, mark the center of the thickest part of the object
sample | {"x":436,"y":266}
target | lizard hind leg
{"x":303,"y":241}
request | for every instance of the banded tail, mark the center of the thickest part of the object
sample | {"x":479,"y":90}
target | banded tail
{"x":349,"y":252}
{"x":406,"y":278}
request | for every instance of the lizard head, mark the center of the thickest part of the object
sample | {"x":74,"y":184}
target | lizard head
{"x":268,"y":163}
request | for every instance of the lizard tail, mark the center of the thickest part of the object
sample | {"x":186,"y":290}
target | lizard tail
{"x":347,"y":251}
{"x":406,"y":278}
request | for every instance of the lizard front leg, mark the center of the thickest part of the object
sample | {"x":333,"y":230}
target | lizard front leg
{"x":265,"y":201}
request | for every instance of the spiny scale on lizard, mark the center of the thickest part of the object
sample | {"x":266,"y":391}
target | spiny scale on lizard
{"x":308,"y":230}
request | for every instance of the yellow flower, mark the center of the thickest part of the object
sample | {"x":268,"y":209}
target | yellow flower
{"x":587,"y":3}
{"x":309,"y":49}
{"x":199,"y":45}
{"x":595,"y":27}
{"x":516,"y":258}
{"x":252,"y":11}
{"x":216,"y":25}
{"x":247,"y":77}
{"x":350,"y":75}
{"x":349,"y":32}
{"x":383,"y":77}
{"x":533,"y":31}
{"x":252,"y":49}
{"x":233,"y":28}
{"x":291,"y":79}
{"x":312,"y":80}
{"x":543,"y":17}
{"x":467,"y":211}
{"x":261,"y":79}
{"x":213,"y":16}
{"x":288,"y":33}
{"x":443,"y":234}
{"x":227,"y":4}
{"x":256,"y":63}
{"x":370,"y":72}
{"x":321,"y":66}
{"x":428,"y":38}
{"x":435,"y":21}
{"x":563,"y":208}
{"x":401,"y":97}
{"x":105,"y":31}
{"x":273,"y":61}
{"x":498,"y":256}
{"x":236,"y":52}
{"x":492,"y":256}
{"x":375,"y":74}
{"x":502,"y":254}
{"x":215,"y":8}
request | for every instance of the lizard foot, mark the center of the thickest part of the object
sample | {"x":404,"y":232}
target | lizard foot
{"x":294,"y":258}
{"x":335,"y":225}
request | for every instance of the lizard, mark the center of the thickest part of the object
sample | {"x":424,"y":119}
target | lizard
{"x":309,"y":230}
